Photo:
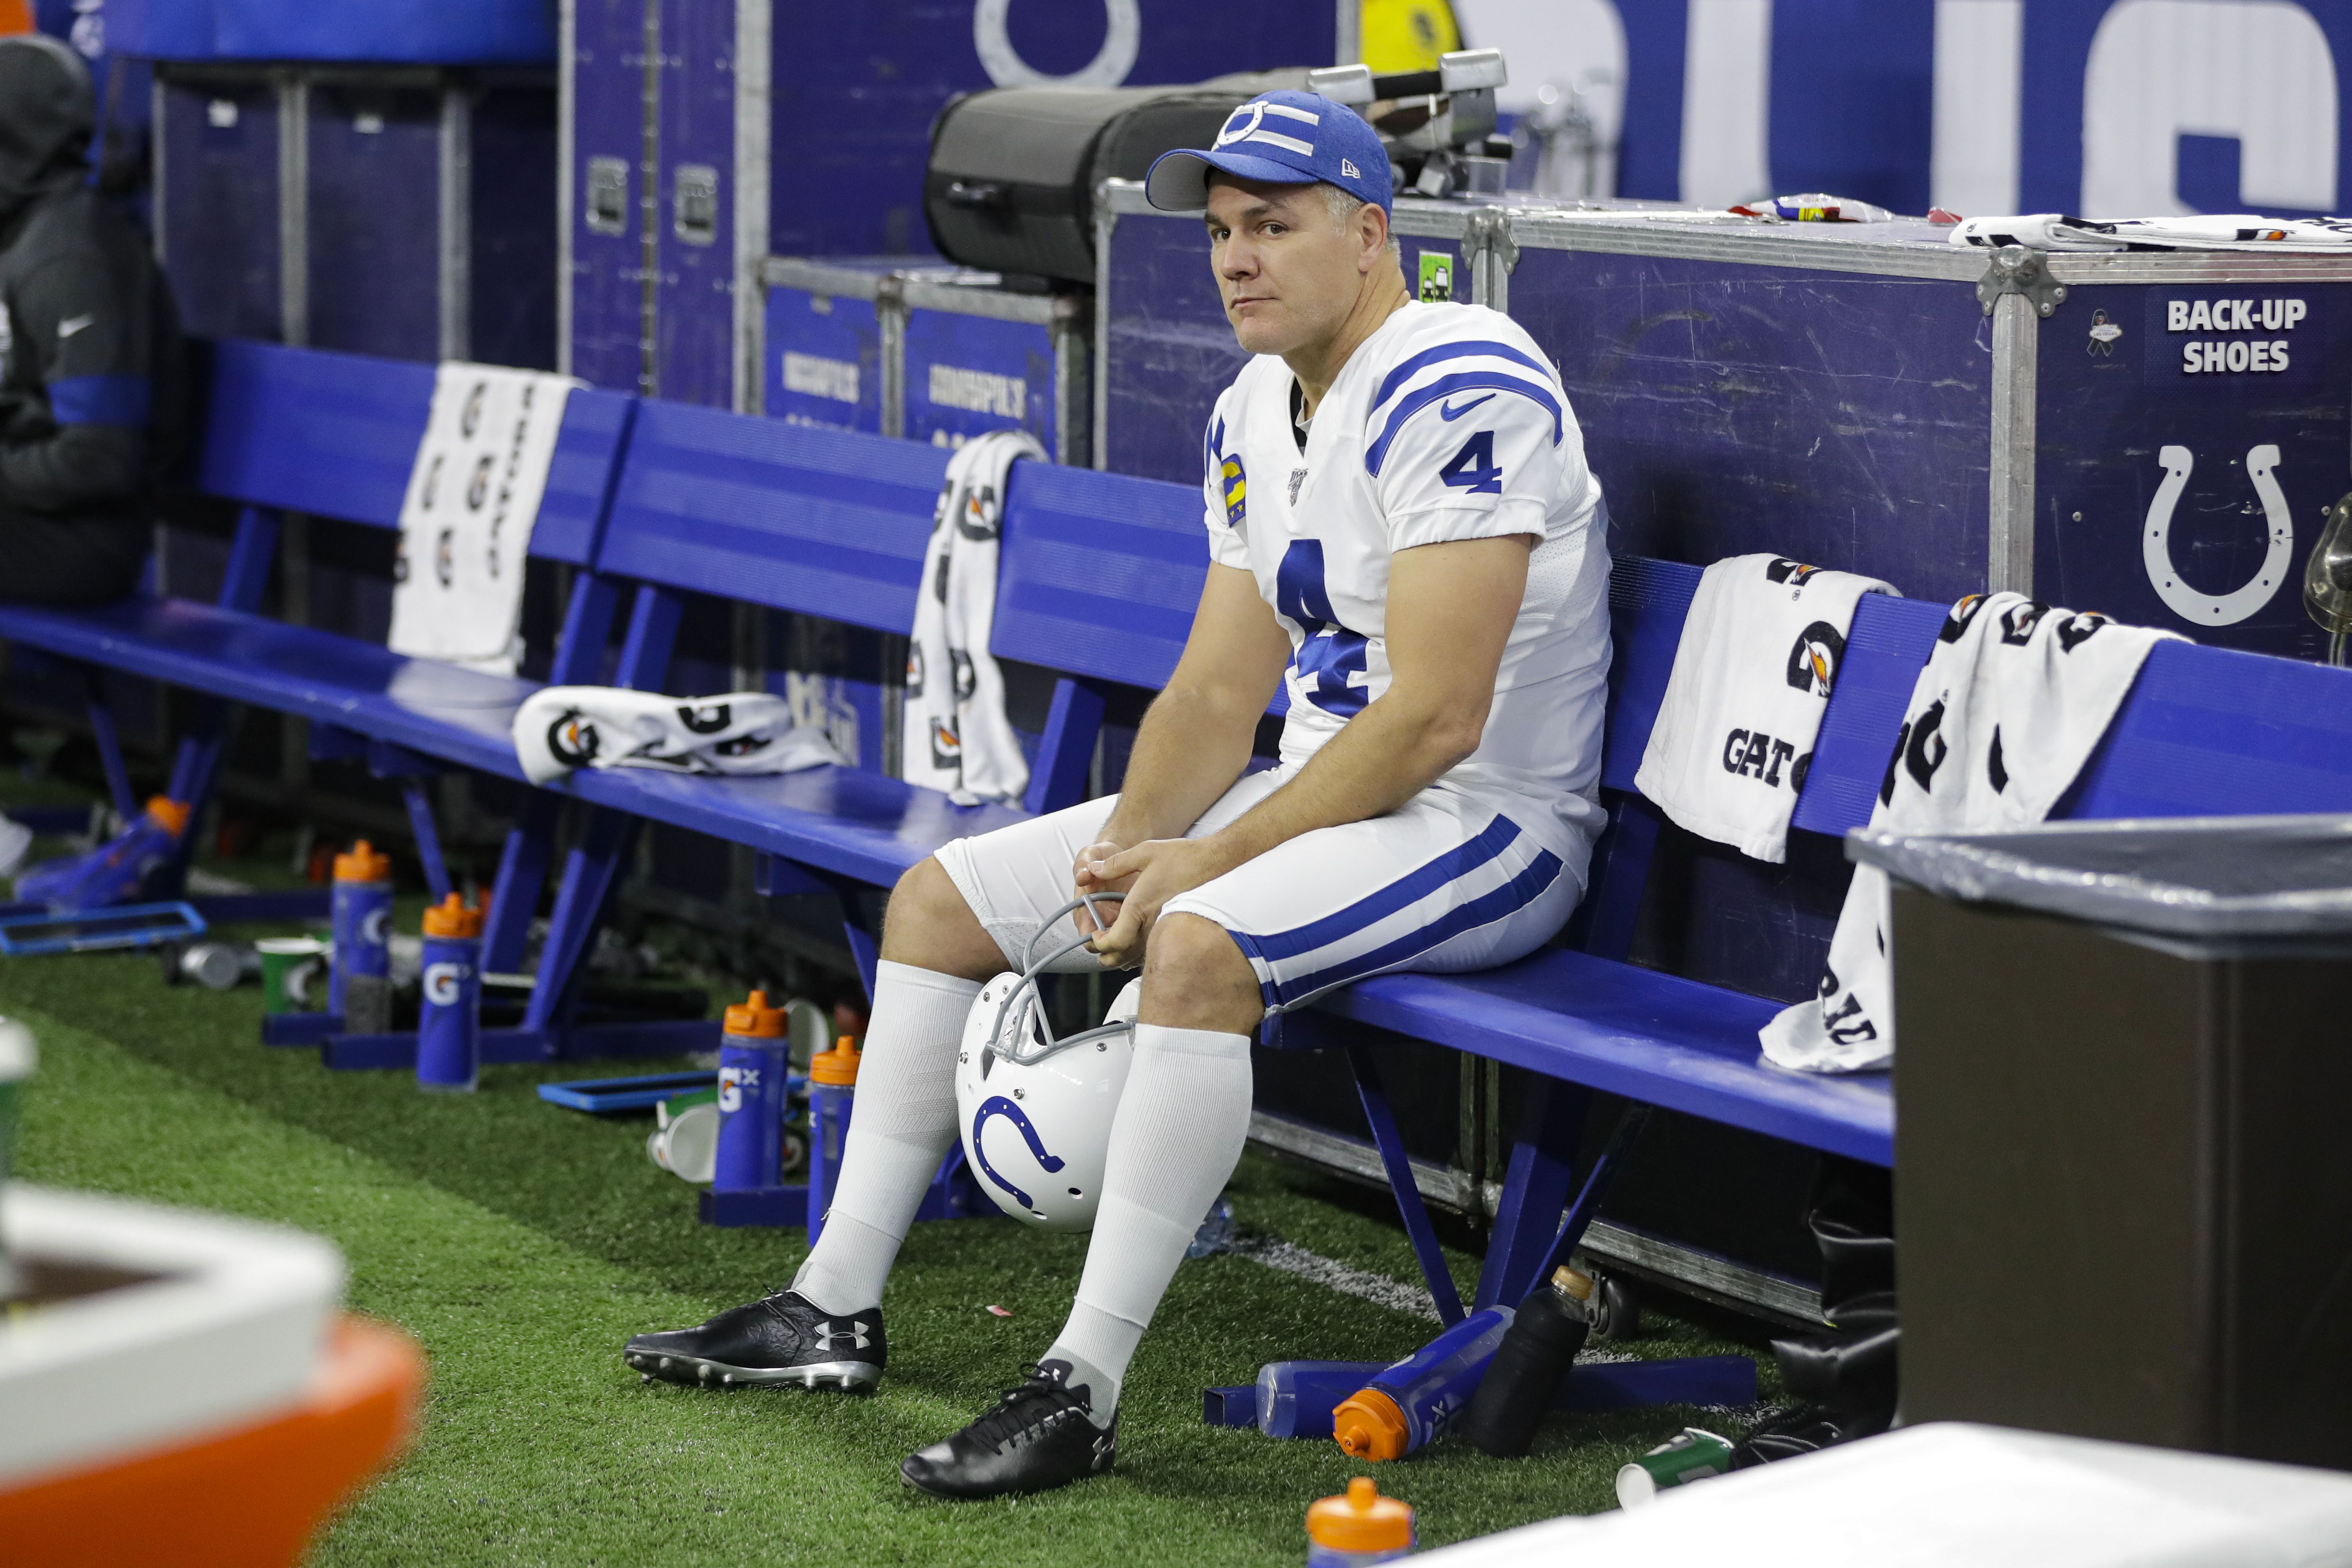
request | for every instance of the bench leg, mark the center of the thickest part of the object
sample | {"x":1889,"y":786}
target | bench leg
{"x":514,"y":897}
{"x":1534,"y":1191}
{"x":428,"y":837}
{"x":1399,"y":1165}
{"x":1603,"y":1174}
{"x":110,"y":746}
{"x":864,"y":946}
{"x":589,"y":873}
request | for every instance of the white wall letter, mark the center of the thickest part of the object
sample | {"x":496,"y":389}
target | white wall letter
{"x":1978,"y":47}
{"x":2257,"y":69}
{"x":1726,"y":101}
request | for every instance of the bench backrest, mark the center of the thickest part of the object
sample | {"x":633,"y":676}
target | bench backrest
{"x":334,"y":434}
{"x":2204,"y":732}
{"x":1100,"y":573}
{"x":790,"y":517}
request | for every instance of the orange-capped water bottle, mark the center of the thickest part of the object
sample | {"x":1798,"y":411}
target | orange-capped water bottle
{"x":833,"y":1092}
{"x":1356,"y":1527}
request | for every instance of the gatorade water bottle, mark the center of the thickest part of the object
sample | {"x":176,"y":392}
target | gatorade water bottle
{"x":1357,"y":1527}
{"x":832,"y":1084}
{"x":362,"y":908}
{"x":449,"y":1017}
{"x":116,"y":871}
{"x":1525,"y":1374}
{"x":1404,"y":1408}
{"x":1295,"y":1398}
{"x":751,"y":1068}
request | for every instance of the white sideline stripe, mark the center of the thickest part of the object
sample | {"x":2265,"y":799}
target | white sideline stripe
{"x":1379,"y":1289}
{"x":1288,"y":1257}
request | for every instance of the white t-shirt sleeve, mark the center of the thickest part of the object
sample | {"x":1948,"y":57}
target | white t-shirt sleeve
{"x":1224,"y":488}
{"x":1473,"y":461}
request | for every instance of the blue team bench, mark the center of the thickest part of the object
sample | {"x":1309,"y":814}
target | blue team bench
{"x":1099,"y":575}
{"x":2204,"y":732}
{"x":334,"y":435}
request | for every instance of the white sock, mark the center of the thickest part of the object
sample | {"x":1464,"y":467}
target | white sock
{"x":1181,"y":1121}
{"x":900,"y":1127}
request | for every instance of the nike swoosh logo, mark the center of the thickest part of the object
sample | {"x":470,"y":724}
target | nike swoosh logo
{"x":73,"y":324}
{"x":1450,"y":412}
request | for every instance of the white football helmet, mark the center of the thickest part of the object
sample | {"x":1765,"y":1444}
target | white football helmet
{"x":1036,"y":1112}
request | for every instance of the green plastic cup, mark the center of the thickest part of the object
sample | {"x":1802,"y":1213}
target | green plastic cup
{"x":1691,"y":1455}
{"x":282,"y":961}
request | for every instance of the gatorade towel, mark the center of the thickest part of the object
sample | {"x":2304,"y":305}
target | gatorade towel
{"x":466,"y":521}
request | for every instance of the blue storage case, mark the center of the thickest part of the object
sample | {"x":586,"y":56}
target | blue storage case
{"x":420,"y":32}
{"x":429,"y":215}
{"x":978,"y":358}
{"x":825,"y":363}
{"x":1839,"y":393}
{"x":408,"y":213}
{"x":935,"y":354}
{"x":217,"y":158}
{"x":765,"y":130}
{"x":697,"y":322}
{"x":606,"y":301}
{"x":160,"y":29}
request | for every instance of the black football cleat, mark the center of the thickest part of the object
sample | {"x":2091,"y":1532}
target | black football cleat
{"x":1040,"y":1435}
{"x":779,"y":1339}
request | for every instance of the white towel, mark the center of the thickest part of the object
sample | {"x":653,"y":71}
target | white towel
{"x":2195,"y":231}
{"x":2014,"y":697}
{"x":561,"y":728}
{"x":1734,"y":736}
{"x":956,"y":736}
{"x":465,"y":523}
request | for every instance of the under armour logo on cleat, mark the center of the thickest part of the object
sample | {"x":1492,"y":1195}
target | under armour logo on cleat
{"x":855,"y":1334}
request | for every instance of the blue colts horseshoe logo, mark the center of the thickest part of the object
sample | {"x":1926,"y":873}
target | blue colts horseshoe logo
{"x":997,"y":1105}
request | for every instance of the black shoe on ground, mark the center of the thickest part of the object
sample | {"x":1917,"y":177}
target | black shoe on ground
{"x":778,"y":1338}
{"x":1040,"y":1435}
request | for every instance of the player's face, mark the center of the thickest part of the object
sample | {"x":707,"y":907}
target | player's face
{"x":1287,"y":274}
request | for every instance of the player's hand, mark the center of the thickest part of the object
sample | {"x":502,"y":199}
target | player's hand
{"x":1152,"y":873}
{"x":1090,"y":918}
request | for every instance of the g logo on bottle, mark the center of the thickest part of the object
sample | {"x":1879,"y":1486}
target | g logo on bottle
{"x":445,"y":984}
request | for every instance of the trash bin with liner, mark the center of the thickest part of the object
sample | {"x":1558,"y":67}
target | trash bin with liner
{"x":2122,"y":1197}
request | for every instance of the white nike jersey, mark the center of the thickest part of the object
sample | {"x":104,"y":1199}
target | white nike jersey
{"x":1448,"y":423}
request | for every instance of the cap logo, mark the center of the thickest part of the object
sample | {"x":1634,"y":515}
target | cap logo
{"x":1248,"y":124}
{"x":1348,"y":170}
{"x":1243,"y":120}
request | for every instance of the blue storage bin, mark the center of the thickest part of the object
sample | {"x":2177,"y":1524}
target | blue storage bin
{"x":161,"y":29}
{"x":413,"y":31}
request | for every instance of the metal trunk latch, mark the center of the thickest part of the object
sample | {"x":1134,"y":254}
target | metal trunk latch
{"x":2018,"y":270}
{"x":1489,"y":228}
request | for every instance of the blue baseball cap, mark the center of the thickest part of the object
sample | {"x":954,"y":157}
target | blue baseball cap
{"x":1284,"y":138}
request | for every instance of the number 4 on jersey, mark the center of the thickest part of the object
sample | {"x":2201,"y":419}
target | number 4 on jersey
{"x":1474,"y":467}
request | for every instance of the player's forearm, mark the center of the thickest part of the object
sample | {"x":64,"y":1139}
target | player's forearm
{"x":1398,"y":746}
{"x":1193,"y":743}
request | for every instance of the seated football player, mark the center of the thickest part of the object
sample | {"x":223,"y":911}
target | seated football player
{"x":93,"y":383}
{"x":1406,"y":538}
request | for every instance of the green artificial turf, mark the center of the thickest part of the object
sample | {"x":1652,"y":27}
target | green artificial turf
{"x":522,"y":1244}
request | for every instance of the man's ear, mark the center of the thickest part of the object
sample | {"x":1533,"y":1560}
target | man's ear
{"x":1372,"y":235}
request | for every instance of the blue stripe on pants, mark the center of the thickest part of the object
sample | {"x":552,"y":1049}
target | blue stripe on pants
{"x":1413,"y":885}
{"x":1531,"y":883}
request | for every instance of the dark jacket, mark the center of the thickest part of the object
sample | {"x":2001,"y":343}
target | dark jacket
{"x":93,"y":379}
